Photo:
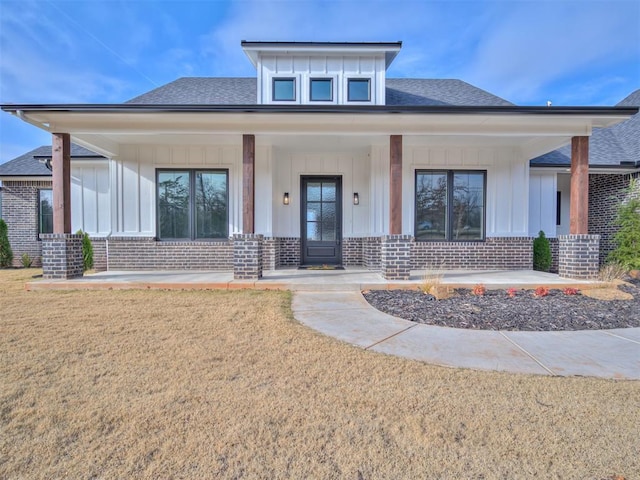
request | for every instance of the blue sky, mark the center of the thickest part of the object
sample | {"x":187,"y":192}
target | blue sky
{"x":580,"y":52}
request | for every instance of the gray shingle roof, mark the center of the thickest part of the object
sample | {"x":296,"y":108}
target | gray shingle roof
{"x":608,"y":147}
{"x":242,"y":91}
{"x":28,"y":164}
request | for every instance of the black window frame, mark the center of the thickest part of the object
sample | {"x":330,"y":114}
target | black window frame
{"x":558,"y":208}
{"x":192,"y":204}
{"x":358,"y":80}
{"x":321,"y":79}
{"x":273,"y":89}
{"x":39,"y":219}
{"x":449,"y":211}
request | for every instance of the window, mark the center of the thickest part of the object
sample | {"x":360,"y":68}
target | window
{"x":321,"y":90}
{"x":284,"y":89}
{"x":45,"y":211}
{"x":450,"y":205}
{"x":558,"y":208}
{"x":359,"y":90}
{"x":192,"y":204}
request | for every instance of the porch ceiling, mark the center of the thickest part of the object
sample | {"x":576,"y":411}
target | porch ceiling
{"x":534,"y":130}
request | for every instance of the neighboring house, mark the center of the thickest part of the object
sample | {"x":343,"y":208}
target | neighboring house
{"x":28,"y":198}
{"x":320,"y":159}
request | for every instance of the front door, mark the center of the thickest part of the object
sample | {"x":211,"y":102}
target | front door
{"x":321,"y":220}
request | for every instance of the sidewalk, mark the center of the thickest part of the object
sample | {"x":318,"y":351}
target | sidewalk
{"x":596,"y":353}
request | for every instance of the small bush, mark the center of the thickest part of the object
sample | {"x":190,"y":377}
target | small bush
{"x":6,"y":254}
{"x":87,"y":251}
{"x":479,"y":290}
{"x":26,"y":260}
{"x":612,"y":271}
{"x":511,"y":292}
{"x":541,"y":292}
{"x":627,"y":240}
{"x":570,"y":291}
{"x":541,"y":253}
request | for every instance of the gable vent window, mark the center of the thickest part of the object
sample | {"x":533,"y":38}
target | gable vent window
{"x":284,"y":89}
{"x":321,"y":90}
{"x":359,"y":90}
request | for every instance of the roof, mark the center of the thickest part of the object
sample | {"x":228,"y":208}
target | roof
{"x":28,"y":164}
{"x":616,"y":146}
{"x":242,"y":91}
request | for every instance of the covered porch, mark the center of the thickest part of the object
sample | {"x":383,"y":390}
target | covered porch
{"x":267,"y":152}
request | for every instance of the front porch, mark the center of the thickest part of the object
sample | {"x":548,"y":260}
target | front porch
{"x":293,"y":279}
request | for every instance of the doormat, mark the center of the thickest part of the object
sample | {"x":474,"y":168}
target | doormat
{"x":320,"y":267}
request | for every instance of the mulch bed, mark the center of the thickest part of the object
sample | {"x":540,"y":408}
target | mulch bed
{"x":496,"y":311}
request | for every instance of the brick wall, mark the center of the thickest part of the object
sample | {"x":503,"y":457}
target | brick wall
{"x":553,"y":243}
{"x":289,"y":252}
{"x":20,"y":212}
{"x":509,"y":253}
{"x":352,"y":251}
{"x":606,"y":192}
{"x":134,"y":253}
{"x":371,"y":247}
{"x":62,"y":256}
{"x":395,"y":256}
{"x":247,"y":256}
{"x":99,"y":254}
{"x":578,"y":257}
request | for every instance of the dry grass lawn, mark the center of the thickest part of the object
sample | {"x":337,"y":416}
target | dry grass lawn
{"x":193,"y":384}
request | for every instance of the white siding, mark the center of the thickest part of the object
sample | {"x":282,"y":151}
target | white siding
{"x":564,"y":187}
{"x":90,"y":199}
{"x":337,"y":67}
{"x":353,"y":167}
{"x":542,"y":203}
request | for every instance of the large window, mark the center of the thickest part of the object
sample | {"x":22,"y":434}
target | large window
{"x":450,"y":205}
{"x":284,"y":89}
{"x":45,"y":211}
{"x":192,"y":204}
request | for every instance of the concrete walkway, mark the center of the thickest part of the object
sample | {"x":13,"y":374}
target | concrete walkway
{"x":596,"y":353}
{"x":330,"y":302}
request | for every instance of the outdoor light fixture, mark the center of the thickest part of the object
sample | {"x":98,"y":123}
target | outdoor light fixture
{"x":356,"y":198}
{"x":285,"y":198}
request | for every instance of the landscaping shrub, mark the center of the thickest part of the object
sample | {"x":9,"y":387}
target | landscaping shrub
{"x":541,"y":253}
{"x":87,"y":251}
{"x":541,"y":291}
{"x":6,"y":254}
{"x":627,"y":240}
{"x":479,"y":290}
{"x":512,"y":292}
{"x":26,"y":260}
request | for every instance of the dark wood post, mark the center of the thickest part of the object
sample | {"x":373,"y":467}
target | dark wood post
{"x":61,"y":173}
{"x":248,"y":182}
{"x":395,"y":185}
{"x":579,"y":203}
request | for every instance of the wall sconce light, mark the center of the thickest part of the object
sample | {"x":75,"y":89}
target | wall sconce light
{"x":356,"y":198}
{"x":285,"y":198}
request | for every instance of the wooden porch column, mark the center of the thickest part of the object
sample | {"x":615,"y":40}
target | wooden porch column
{"x":579,"y":203}
{"x":61,"y":173}
{"x":248,"y":183}
{"x":395,"y":185}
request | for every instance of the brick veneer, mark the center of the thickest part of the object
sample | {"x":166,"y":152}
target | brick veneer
{"x":371,"y":247}
{"x":352,"y":251}
{"x":20,"y":212}
{"x":606,"y":192}
{"x":509,"y":253}
{"x":289,"y":252}
{"x":578,"y":256}
{"x":553,"y":244}
{"x":395,"y":257}
{"x":61,"y":255}
{"x":99,"y":254}
{"x":145,"y":253}
{"x":247,"y":256}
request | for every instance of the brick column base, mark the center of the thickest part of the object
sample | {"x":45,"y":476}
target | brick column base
{"x":61,"y":255}
{"x":395,"y":257}
{"x":578,"y":256}
{"x":247,"y":256}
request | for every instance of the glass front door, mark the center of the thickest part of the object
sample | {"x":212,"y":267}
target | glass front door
{"x":321,"y":220}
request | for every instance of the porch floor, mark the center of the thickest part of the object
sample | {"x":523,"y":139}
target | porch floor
{"x":350,"y":279}
{"x":330,"y":302}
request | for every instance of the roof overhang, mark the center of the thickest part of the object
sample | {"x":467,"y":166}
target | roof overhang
{"x":388,"y":49}
{"x":103,"y":127}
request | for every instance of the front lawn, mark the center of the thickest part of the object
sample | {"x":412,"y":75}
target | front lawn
{"x":201,"y":384}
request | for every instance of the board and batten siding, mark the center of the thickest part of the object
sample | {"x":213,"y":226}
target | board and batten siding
{"x":542,"y":203}
{"x":338,"y":67}
{"x":352,"y":166}
{"x":133,"y":174}
{"x":90,"y":197}
{"x":506,"y":192}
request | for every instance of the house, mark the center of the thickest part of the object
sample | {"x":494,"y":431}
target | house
{"x":319,"y":159}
